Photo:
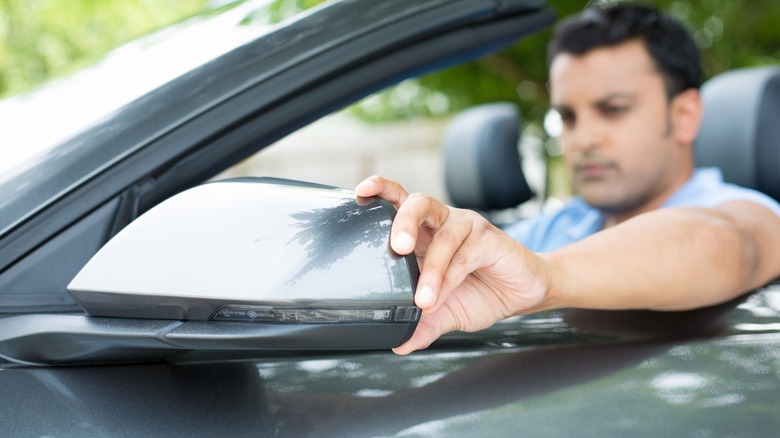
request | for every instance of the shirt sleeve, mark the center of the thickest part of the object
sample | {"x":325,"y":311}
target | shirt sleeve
{"x":707,"y":189}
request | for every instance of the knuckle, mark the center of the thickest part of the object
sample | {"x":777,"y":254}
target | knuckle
{"x":433,"y":212}
{"x":479,"y":225}
{"x":473,"y":217}
{"x":457,"y":270}
{"x":446,"y":236}
{"x":417,"y":199}
{"x":417,"y":196}
{"x":459,"y":260}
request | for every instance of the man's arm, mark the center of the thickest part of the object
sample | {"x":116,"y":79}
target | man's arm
{"x":669,"y":259}
{"x":473,"y":274}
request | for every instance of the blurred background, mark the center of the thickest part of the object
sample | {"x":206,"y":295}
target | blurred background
{"x":395,"y":132}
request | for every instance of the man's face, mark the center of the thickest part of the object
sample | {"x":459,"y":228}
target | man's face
{"x":617,"y":130}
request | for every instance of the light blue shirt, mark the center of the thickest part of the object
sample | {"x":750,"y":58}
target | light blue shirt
{"x":577,"y":220}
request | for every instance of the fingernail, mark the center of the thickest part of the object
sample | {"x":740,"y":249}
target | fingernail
{"x":364,"y":185}
{"x":424,"y":295}
{"x":404,"y":241}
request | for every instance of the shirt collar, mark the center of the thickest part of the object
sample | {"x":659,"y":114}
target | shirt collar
{"x":704,"y":177}
{"x":591,"y":222}
{"x":593,"y":219}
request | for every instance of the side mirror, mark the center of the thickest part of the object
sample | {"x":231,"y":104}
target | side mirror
{"x":243,"y":264}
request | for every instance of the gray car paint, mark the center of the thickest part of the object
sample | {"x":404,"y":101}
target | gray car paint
{"x":712,"y":372}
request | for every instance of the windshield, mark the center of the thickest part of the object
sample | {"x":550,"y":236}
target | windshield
{"x":69,"y":105}
{"x":40,"y":123}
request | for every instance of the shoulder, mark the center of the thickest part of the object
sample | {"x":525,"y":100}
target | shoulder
{"x":706,"y":188}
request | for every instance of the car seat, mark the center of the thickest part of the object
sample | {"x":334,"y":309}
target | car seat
{"x":482,"y":163}
{"x":740,"y":132}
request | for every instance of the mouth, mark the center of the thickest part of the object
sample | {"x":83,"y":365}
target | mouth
{"x":593,"y":170}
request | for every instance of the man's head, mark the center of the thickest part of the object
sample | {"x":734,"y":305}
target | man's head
{"x":668,"y":43}
{"x":625,"y":81}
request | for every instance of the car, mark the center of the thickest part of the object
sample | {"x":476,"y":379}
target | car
{"x":64,"y":372}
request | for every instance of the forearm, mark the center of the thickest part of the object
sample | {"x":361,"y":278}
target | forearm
{"x":669,"y":259}
{"x":472,"y":274}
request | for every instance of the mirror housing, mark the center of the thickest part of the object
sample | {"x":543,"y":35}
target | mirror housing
{"x":257,"y":264}
{"x":254,"y":250}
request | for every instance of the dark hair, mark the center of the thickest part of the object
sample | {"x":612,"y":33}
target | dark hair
{"x":668,"y":42}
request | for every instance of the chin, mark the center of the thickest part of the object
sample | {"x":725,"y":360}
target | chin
{"x":605,"y":202}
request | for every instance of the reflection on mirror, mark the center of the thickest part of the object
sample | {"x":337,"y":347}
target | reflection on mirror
{"x":254,"y":249}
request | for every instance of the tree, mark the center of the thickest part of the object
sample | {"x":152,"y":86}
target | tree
{"x":731,"y":34}
{"x":44,"y":39}
{"x":40,"y":40}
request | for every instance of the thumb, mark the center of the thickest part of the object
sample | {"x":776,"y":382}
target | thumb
{"x":430,"y":328}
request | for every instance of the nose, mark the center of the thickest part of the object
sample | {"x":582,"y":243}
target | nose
{"x":586,"y":135}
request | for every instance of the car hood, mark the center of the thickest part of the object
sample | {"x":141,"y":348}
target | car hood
{"x":711,"y":372}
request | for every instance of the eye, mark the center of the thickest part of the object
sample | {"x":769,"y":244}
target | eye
{"x":567,"y":118}
{"x":614,"y":111}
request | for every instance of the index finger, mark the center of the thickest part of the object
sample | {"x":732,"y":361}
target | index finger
{"x":385,"y":188}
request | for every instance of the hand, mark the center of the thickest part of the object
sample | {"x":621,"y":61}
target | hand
{"x":471,"y":273}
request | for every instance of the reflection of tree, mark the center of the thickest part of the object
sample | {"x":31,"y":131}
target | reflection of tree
{"x":555,"y":388}
{"x":332,"y":233}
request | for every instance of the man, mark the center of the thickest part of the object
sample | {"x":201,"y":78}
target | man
{"x":625,"y":82}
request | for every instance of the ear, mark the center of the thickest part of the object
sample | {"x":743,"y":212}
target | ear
{"x":686,"y":114}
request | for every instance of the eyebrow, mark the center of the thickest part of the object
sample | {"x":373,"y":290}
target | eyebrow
{"x":616,"y":95}
{"x":600,"y":102}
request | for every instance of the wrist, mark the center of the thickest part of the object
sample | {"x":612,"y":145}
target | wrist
{"x":551,"y":279}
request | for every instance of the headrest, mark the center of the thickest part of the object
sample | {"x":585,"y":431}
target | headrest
{"x":740,"y":132}
{"x":482,"y":165}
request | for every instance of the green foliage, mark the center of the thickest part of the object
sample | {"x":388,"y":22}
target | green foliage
{"x":731,"y":34}
{"x":42,"y":39}
{"x":280,"y":10}
{"x":283,"y":9}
